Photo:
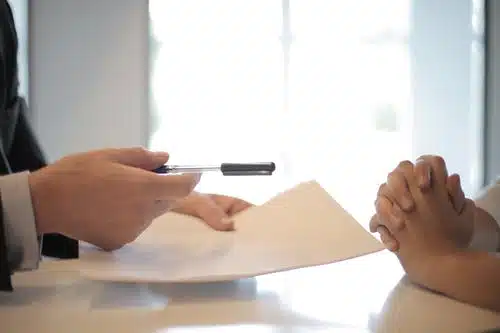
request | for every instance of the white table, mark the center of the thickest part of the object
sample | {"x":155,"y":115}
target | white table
{"x":366,"y":294}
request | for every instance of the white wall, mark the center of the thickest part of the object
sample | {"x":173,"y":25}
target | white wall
{"x":88,"y":72}
{"x":447,"y":91}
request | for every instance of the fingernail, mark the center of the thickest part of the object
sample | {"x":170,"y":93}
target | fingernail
{"x":229,"y":223}
{"x":391,"y":246}
{"x":226,"y":221}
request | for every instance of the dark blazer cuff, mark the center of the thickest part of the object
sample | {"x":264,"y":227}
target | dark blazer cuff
{"x":59,"y":246}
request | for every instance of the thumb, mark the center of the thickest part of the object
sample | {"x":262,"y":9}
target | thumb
{"x":388,"y":239}
{"x":466,"y":231}
{"x":469,"y":208}
{"x":137,"y":157}
{"x":456,"y":193}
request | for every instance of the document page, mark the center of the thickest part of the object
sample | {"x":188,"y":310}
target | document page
{"x":301,"y":227}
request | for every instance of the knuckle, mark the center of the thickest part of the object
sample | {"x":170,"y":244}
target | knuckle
{"x":107,"y":152}
{"x":421,"y":167}
{"x":374,"y":222}
{"x":439,"y":161}
{"x":403,"y":170}
{"x":381,"y":206}
{"x":470,"y":202}
{"x":424,"y":158}
{"x":406,"y":164}
{"x":139,"y":150}
{"x":382,"y":189}
{"x":421,"y":162}
{"x":396,"y":175}
{"x":438,"y":166}
{"x":393,"y":174}
{"x":395,"y":179}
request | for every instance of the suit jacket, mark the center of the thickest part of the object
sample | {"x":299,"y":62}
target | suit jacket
{"x":19,"y":148}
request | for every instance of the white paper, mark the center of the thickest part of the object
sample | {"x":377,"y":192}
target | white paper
{"x":301,"y":227}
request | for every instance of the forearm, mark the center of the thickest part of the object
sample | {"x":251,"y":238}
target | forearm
{"x":470,"y":277}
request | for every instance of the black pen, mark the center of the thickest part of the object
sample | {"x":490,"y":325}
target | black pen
{"x":227,"y":169}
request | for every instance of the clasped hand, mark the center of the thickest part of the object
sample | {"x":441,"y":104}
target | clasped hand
{"x":422,"y":214}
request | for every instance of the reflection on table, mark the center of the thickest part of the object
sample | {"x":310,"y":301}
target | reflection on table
{"x":367,"y":294}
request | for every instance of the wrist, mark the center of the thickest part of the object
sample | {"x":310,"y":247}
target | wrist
{"x":183,"y":206}
{"x":37,"y":184}
{"x":486,"y":232}
{"x":435,"y":273}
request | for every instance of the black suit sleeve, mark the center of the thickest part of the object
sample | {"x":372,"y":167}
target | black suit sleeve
{"x":23,"y":153}
{"x":19,"y":147}
{"x":26,"y":154}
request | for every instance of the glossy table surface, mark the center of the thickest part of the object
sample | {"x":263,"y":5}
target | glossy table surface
{"x":366,"y":294}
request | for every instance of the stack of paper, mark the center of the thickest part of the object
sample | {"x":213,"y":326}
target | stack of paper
{"x":298,"y":228}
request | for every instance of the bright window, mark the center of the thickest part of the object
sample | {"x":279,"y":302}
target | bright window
{"x":323,"y":88}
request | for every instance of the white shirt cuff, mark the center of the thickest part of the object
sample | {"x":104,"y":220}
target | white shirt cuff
{"x":23,"y":248}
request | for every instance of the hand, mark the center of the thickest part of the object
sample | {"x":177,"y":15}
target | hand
{"x":396,"y":193}
{"x":106,"y":197}
{"x":216,"y":210}
{"x":430,"y":230}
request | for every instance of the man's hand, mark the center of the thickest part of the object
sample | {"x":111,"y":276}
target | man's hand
{"x":106,"y":197}
{"x":216,"y":210}
{"x":394,"y":197}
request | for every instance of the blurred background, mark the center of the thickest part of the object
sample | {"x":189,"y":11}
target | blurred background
{"x":333,"y":90}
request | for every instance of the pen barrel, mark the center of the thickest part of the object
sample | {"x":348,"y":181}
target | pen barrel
{"x":247,"y":169}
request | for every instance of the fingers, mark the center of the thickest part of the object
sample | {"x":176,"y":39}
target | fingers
{"x":216,"y":210}
{"x":397,"y":188}
{"x":230,"y":205}
{"x":213,"y":214}
{"x":390,"y":215}
{"x":456,"y":193}
{"x":137,"y":157}
{"x":173,"y":187}
{"x":438,"y":171}
{"x":426,"y":169}
{"x":385,"y":236}
{"x":374,"y":223}
{"x":423,"y":174}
